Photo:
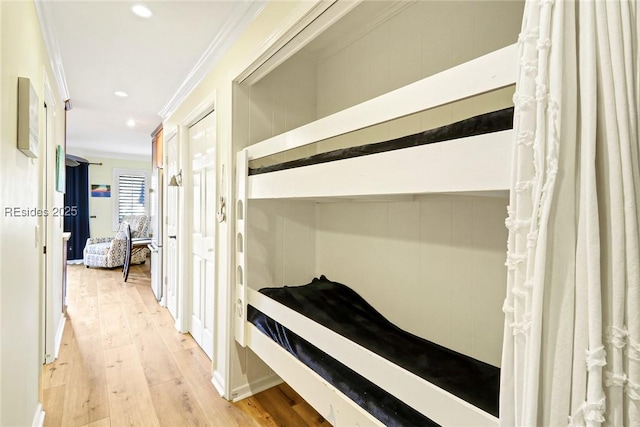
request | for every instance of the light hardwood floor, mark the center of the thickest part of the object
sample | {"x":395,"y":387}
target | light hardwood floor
{"x":122,"y":363}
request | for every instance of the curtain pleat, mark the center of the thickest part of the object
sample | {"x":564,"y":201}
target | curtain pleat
{"x":77,"y":195}
{"x":572,"y":312}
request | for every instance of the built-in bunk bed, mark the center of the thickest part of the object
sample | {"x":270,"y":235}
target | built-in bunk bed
{"x":346,"y":359}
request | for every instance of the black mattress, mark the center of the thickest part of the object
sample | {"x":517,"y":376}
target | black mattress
{"x":494,"y":121}
{"x":342,"y":310}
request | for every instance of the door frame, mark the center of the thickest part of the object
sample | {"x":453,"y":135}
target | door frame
{"x":173,"y":133}
{"x":46,"y":349}
{"x":51,"y":330}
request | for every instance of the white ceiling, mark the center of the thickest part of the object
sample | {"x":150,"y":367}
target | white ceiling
{"x":99,"y":47}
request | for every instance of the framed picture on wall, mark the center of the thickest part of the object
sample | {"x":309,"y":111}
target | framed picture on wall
{"x":28,"y":118}
{"x":100,"y":190}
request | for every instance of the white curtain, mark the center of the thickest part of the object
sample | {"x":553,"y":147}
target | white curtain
{"x":572,"y":330}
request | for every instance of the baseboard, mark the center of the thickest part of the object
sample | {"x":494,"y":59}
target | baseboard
{"x":218,"y":382}
{"x":255,"y":387}
{"x":38,"y":417}
{"x":59,"y":334}
{"x":181,"y":326}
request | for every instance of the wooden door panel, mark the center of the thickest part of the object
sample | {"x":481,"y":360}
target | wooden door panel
{"x":202,"y":144}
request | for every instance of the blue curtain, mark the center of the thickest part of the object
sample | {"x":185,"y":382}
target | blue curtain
{"x":77,"y":195}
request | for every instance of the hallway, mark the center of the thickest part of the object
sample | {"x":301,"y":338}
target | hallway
{"x":122,"y":362}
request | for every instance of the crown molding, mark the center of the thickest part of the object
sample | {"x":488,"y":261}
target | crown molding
{"x":244,"y":14}
{"x":43,"y":9}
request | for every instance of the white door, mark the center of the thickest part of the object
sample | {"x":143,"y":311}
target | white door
{"x":171,"y":245}
{"x":202,"y":151}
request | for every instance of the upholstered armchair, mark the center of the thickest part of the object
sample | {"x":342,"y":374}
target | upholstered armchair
{"x":109,"y":252}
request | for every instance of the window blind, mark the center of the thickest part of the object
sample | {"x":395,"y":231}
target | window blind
{"x":131,"y":195}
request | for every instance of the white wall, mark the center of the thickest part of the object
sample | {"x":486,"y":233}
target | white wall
{"x":423,"y":39}
{"x":434,"y":267}
{"x":281,"y":243}
{"x":23,"y":54}
{"x":283,"y":100}
{"x":280,"y":251}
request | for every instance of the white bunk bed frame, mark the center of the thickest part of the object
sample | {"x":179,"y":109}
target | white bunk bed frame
{"x":479,"y":163}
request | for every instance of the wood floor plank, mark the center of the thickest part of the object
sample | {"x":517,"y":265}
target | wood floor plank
{"x":310,"y":415}
{"x":115,"y":329}
{"x":148,"y":298}
{"x":156,"y":360}
{"x":87,"y":287}
{"x":108,"y":291}
{"x":166,"y":327}
{"x":279,"y":407}
{"x":84,"y":315}
{"x":129,"y":396}
{"x":118,"y":381}
{"x":254,"y":409}
{"x":57,"y":373}
{"x":196,"y":369}
{"x":53,"y":397}
{"x":176,"y":404}
{"x":301,"y":407}
{"x":86,"y":394}
{"x":133,"y":306}
{"x":105,"y":422}
{"x":288,"y":393}
{"x":135,"y":310}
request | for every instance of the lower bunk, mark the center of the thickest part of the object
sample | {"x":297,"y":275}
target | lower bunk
{"x":380,"y":373}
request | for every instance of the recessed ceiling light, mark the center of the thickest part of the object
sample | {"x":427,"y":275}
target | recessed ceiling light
{"x":142,"y":11}
{"x":121,"y":94}
{"x":131,"y":123}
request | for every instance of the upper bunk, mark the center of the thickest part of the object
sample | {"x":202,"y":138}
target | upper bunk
{"x":479,"y":162}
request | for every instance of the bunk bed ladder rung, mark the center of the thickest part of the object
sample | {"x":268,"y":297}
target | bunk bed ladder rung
{"x":240,"y":313}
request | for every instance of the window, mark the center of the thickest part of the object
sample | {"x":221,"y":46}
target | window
{"x":129,"y":194}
